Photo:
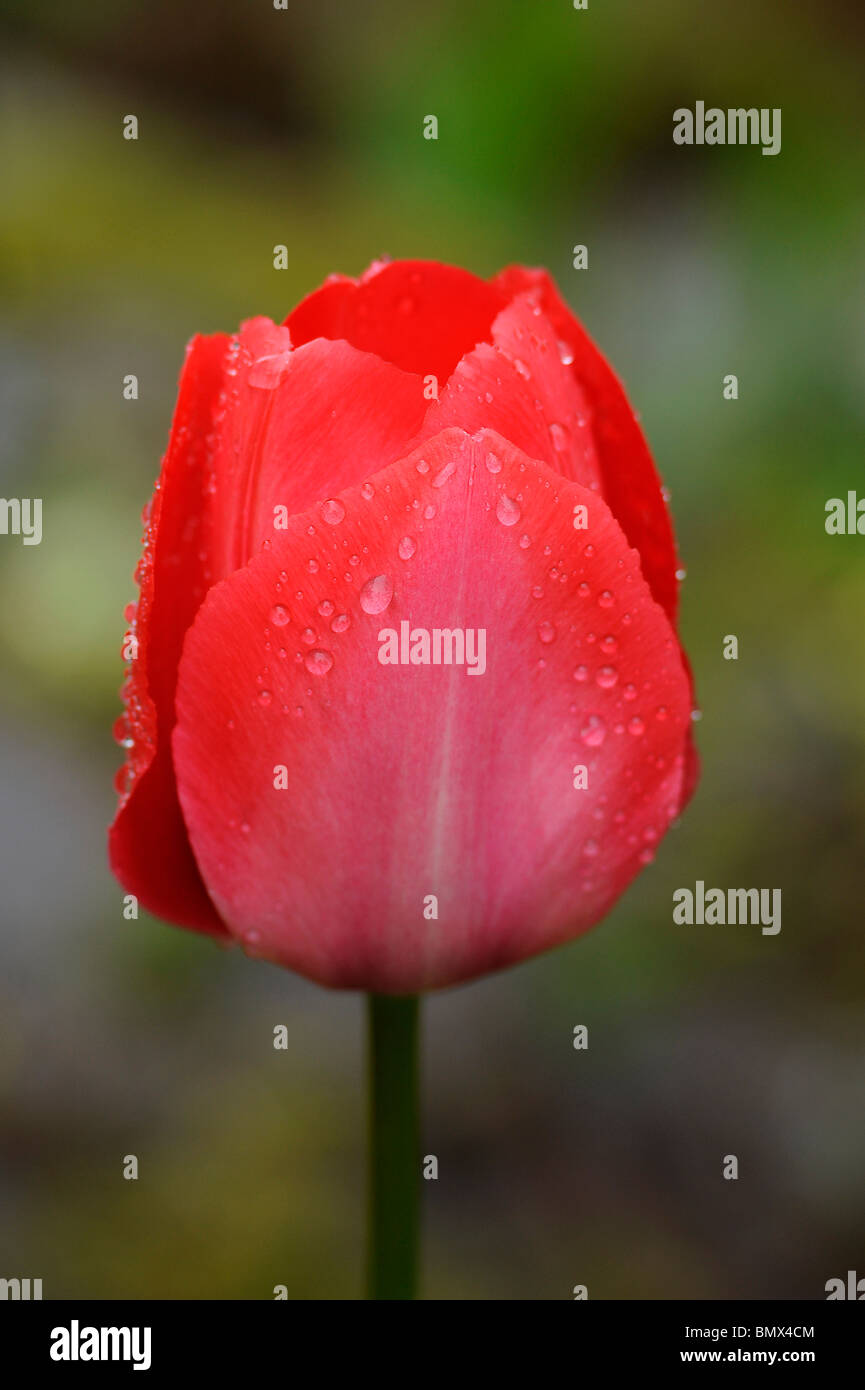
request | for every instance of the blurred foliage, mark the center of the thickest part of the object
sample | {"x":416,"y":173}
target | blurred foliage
{"x":303,"y":127}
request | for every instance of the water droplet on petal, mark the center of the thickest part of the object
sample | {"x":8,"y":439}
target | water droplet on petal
{"x":332,"y":511}
{"x":318,"y":663}
{"x":444,"y":473}
{"x":605,"y":599}
{"x":546,"y":632}
{"x":507,"y":510}
{"x":264,"y":697}
{"x":494,"y":463}
{"x":406,"y":548}
{"x":559,"y":436}
{"x":367,"y":491}
{"x":325,"y":608}
{"x":630,"y":691}
{"x":341,"y":623}
{"x":608,"y":644}
{"x":422,"y":466}
{"x":522,"y":369}
{"x":566,"y":353}
{"x":594,"y":731}
{"x":308,"y":636}
{"x":581,"y":673}
{"x":636,"y":726}
{"x":312,"y":566}
{"x":279,"y":615}
{"x":376,"y":594}
{"x":590,"y":848}
{"x":606,"y":677}
{"x":525,"y":542}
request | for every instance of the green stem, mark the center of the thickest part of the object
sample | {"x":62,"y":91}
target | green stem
{"x":394,"y":1147}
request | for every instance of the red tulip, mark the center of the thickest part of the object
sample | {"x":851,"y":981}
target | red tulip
{"x":397,"y":826}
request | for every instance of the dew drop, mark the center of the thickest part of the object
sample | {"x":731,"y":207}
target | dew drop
{"x":547,"y":632}
{"x":444,"y":473}
{"x":264,"y":697}
{"x":429,"y":511}
{"x":605,"y":599}
{"x":279,"y":615}
{"x":583,"y":590}
{"x":566,"y":353}
{"x":376,"y":594}
{"x":525,"y":542}
{"x":507,"y":510}
{"x":559,"y":436}
{"x":341,"y":623}
{"x":406,"y":548}
{"x":522,"y":369}
{"x":332,"y":511}
{"x":590,"y":849}
{"x":318,"y":663}
{"x":325,"y":608}
{"x":636,"y":726}
{"x":422,"y":466}
{"x":367,"y":491}
{"x":581,"y":673}
{"x":312,"y":566}
{"x":308,"y":636}
{"x":494,"y":463}
{"x":594,"y":731}
{"x":630,"y":691}
{"x":606,"y":677}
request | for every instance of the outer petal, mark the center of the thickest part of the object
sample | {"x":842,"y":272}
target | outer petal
{"x":420,"y":315}
{"x":148,"y":846}
{"x":327,"y":795}
{"x":257,"y":426}
{"x":631,"y":485}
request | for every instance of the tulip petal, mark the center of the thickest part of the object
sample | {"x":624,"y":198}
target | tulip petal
{"x":258,"y":427}
{"x":420,"y":315}
{"x":631,"y":485}
{"x":148,"y":845}
{"x":521,"y":388}
{"x":328,"y":795}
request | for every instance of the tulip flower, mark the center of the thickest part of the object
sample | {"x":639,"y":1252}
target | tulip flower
{"x":407,"y":704}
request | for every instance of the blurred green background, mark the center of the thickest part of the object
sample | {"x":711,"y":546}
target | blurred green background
{"x":304,"y":127}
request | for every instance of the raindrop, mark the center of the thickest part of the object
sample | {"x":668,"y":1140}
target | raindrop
{"x":594,"y":731}
{"x":279,"y":615}
{"x":606,"y":677}
{"x":325,"y":608}
{"x":341,"y":623}
{"x":605,"y":599}
{"x":547,"y":632}
{"x":609,"y":644}
{"x":444,"y":473}
{"x":559,"y":436}
{"x":507,"y":510}
{"x":308,"y":636}
{"x":318,"y":663}
{"x":406,"y":548}
{"x":376,"y":594}
{"x":332,"y":511}
{"x":581,"y":673}
{"x":367,"y":491}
